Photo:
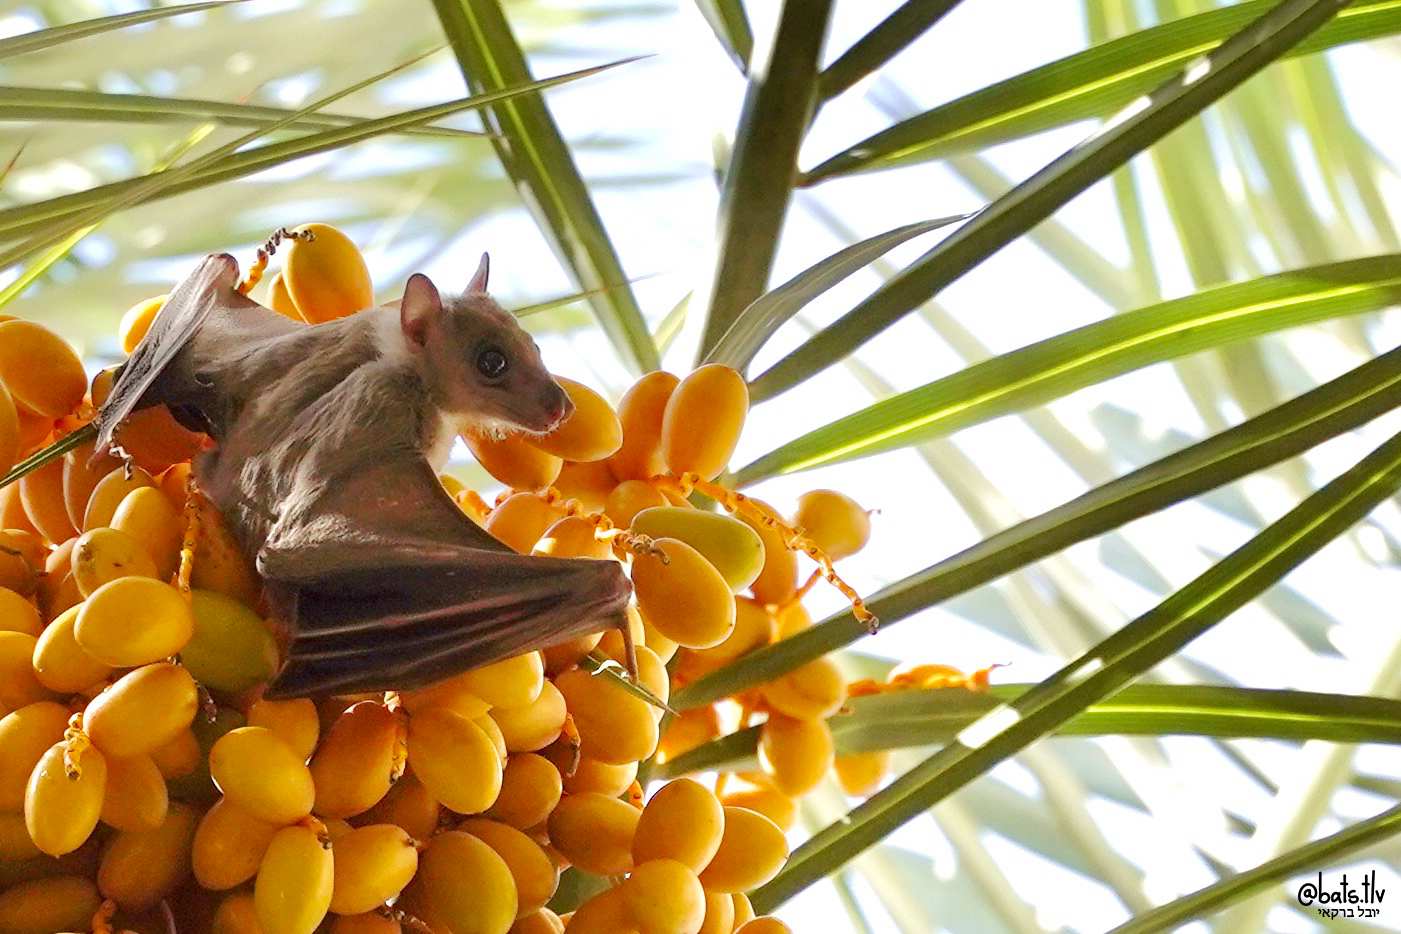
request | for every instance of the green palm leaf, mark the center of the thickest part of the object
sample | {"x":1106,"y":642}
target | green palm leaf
{"x":1051,"y":368}
{"x":1133,"y":130}
{"x":1101,"y":671}
{"x":538,"y":160}
{"x":935,"y":717}
{"x":1087,"y":85}
{"x":1335,"y":407}
{"x":58,"y":35}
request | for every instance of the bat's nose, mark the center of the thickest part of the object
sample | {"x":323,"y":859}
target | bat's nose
{"x":557,"y":404}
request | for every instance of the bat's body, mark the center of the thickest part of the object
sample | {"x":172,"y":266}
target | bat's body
{"x":328,"y":440}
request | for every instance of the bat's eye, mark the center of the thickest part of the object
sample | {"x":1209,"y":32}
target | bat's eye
{"x":491,"y":363}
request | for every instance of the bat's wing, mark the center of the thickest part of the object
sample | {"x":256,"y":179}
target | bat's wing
{"x":391,"y":587}
{"x":151,"y":374}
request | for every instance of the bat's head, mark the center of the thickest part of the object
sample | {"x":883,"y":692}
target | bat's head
{"x":482,"y":366}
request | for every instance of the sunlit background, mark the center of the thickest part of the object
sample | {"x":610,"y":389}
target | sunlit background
{"x":1076,"y":833}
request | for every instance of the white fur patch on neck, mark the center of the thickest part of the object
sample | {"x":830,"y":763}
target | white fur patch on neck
{"x":389,"y":337}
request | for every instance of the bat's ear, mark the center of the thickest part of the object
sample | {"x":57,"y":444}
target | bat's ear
{"x":478,"y":283}
{"x":420,"y":305}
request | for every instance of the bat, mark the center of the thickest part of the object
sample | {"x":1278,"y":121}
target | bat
{"x":327,"y":444}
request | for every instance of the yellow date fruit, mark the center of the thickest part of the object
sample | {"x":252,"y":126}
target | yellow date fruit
{"x":42,"y":906}
{"x":141,"y":867}
{"x":860,"y":773}
{"x":137,"y":798}
{"x":602,"y":777}
{"x":463,"y":886}
{"x":231,"y":649}
{"x":592,"y":432}
{"x":835,"y":522}
{"x":229,"y":845}
{"x":630,"y":498}
{"x":42,"y":373}
{"x":595,"y":832}
{"x":572,"y":537}
{"x":778,"y":580}
{"x":147,"y":516}
{"x":327,"y":277}
{"x":61,"y":812}
{"x":534,"y":726}
{"x":534,"y":873}
{"x":41,"y":493}
{"x":512,"y":682}
{"x":18,"y":614}
{"x":605,"y":913}
{"x":763,"y":797}
{"x":108,"y":495}
{"x":280,"y":300}
{"x":220,"y":564}
{"x":686,"y":598}
{"x":295,"y":722}
{"x":812,"y":691}
{"x":732,"y":547}
{"x":372,"y":865}
{"x":454,"y":759}
{"x":514,"y":461}
{"x":258,"y":773}
{"x":9,"y":431}
{"x":22,"y":555}
{"x":683,"y":821}
{"x":293,"y":890}
{"x":19,"y":684}
{"x":25,"y":735}
{"x":796,"y":754}
{"x":103,"y":555}
{"x":665,"y":897}
{"x":521,"y":520}
{"x":703,"y":421}
{"x":530,"y":788}
{"x":765,"y":925}
{"x":143,"y":710}
{"x":614,"y":726}
{"x":719,"y":913}
{"x":589,"y":482}
{"x":133,"y":621}
{"x":751,"y":853}
{"x":411,"y":806}
{"x":354,"y":764}
{"x":640,"y":413}
{"x":81,"y":474}
{"x":136,"y":321}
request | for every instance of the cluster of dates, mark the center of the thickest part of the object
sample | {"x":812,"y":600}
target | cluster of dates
{"x":144,"y":781}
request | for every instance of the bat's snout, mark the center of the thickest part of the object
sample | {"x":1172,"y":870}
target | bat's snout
{"x":556,"y":404}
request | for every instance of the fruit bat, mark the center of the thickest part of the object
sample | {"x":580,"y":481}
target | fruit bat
{"x":327,"y":444}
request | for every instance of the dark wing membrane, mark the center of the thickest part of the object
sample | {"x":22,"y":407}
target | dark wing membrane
{"x":211,"y":288}
{"x":392,"y":588}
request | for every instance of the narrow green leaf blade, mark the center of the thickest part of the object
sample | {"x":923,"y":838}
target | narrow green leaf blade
{"x":902,"y":719}
{"x":731,"y":26}
{"x":1327,"y":411}
{"x":1089,"y":84}
{"x":538,"y":160}
{"x":1131,"y":131}
{"x":1318,"y":854}
{"x":57,"y":35}
{"x":1049,"y":369}
{"x":767,"y":314}
{"x":889,"y":38}
{"x":1103,"y":670}
{"x":28,"y":218}
{"x":758,"y":184}
{"x":68,"y":104}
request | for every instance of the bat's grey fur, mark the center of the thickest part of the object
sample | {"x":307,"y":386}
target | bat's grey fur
{"x":329,"y":439}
